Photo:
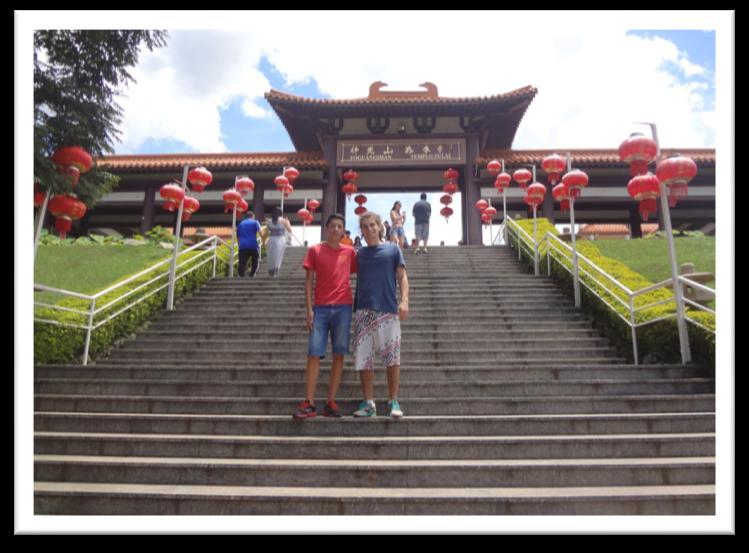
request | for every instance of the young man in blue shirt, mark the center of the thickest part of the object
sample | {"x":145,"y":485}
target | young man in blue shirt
{"x":377,"y":314}
{"x":248,"y":248}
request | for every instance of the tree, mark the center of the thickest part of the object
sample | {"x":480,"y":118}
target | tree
{"x":77,"y":76}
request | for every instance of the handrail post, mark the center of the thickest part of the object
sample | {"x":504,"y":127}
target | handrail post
{"x":535,"y":243}
{"x":233,"y":234}
{"x":215,"y":254}
{"x":575,"y":266}
{"x":40,"y":222}
{"x":89,"y":330}
{"x":634,"y":328}
{"x":173,"y":269}
{"x":681,"y":323}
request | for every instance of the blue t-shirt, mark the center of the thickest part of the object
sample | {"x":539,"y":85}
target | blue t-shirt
{"x":247,"y":232}
{"x":376,"y":278}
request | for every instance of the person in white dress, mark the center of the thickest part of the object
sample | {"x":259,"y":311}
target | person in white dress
{"x":278,"y":226}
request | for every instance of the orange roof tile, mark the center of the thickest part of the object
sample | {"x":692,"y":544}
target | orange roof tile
{"x":394,"y":98}
{"x":216,"y":162}
{"x":587,"y":157}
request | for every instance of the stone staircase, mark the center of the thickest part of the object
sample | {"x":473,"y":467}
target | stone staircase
{"x":514,"y":404}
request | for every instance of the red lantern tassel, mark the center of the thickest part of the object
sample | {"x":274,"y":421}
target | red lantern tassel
{"x":63,"y":226}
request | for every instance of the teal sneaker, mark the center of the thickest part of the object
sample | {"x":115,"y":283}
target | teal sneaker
{"x":395,"y":409}
{"x":366,"y":409}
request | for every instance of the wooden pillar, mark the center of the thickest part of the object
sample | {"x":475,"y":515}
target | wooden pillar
{"x":330,"y":187}
{"x":147,"y":215}
{"x":258,"y":202}
{"x":547,"y":208}
{"x":634,"y":222}
{"x":472,"y":194}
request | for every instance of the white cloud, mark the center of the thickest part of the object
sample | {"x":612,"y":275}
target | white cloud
{"x":181,"y":89}
{"x":593,"y":79}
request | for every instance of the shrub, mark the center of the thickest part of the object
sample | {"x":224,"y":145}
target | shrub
{"x":62,"y":344}
{"x":609,"y":306}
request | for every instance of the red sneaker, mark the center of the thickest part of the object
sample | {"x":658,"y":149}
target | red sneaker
{"x":331,"y":410}
{"x":305,"y":411}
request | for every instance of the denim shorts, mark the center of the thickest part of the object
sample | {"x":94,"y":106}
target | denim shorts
{"x":397,"y":232}
{"x":334,"y":320}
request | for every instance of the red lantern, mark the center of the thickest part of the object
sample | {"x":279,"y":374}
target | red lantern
{"x":522,"y":176}
{"x":575,"y":181}
{"x":305,"y":216}
{"x":451,"y":175}
{"x":360,"y":199}
{"x":562,"y":195}
{"x":172,"y":195}
{"x":231,"y":199}
{"x":645,"y":189}
{"x":313,"y":205}
{"x":349,"y":188}
{"x":535,"y":194}
{"x":73,"y":161}
{"x":450,"y":188}
{"x":502,"y":181}
{"x":291,"y":173}
{"x":675,"y":172}
{"x":554,"y":165}
{"x":494,"y":167}
{"x":199,"y":178}
{"x":446,"y":199}
{"x":244,"y":185}
{"x":446,"y":212}
{"x":281,"y":183}
{"x":481,"y":205}
{"x":190,"y":206}
{"x":638,"y":151}
{"x":66,"y":209}
{"x":74,"y":156}
{"x":361,"y":210}
{"x":288,"y":189}
{"x":242,"y":206}
{"x":488,"y":214}
{"x":350,"y":175}
{"x":39,"y":195}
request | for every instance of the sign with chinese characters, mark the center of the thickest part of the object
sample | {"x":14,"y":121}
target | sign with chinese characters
{"x":364,"y":153}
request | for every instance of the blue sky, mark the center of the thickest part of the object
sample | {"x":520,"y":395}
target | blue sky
{"x":232,"y":115}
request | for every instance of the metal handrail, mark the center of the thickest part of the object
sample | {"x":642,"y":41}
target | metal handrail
{"x":556,"y":246}
{"x":211,"y":255}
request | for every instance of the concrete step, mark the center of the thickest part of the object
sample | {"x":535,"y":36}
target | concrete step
{"x":280,"y":425}
{"x":299,"y":362}
{"x":601,"y":446}
{"x":286,"y":405}
{"x":408,"y":389}
{"x":300,"y":342}
{"x":376,"y":473}
{"x":196,"y":372}
{"x":296,"y":357}
{"x":139,"y":499}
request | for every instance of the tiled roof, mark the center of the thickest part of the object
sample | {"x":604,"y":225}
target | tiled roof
{"x":616,"y":229}
{"x":216,"y":162}
{"x":395,"y":99}
{"x":587,"y":157}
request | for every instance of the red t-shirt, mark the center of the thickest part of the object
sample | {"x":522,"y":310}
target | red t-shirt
{"x":332,"y":267}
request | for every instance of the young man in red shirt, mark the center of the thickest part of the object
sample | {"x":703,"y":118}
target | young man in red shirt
{"x":332,"y":263}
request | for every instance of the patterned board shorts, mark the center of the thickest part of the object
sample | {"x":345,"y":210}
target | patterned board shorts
{"x":377,"y":336}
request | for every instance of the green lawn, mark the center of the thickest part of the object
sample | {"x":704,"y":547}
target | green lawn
{"x":88,"y":269}
{"x":650,"y":257}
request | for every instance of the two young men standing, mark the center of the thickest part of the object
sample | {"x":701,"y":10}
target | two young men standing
{"x":377,"y":313}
